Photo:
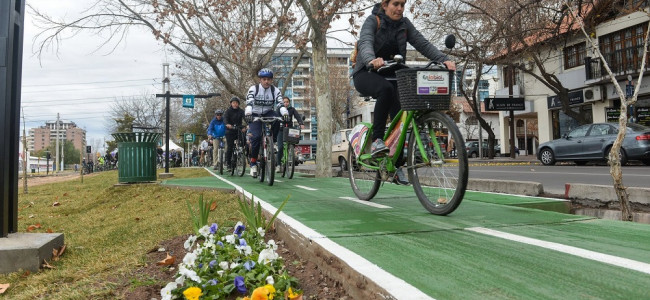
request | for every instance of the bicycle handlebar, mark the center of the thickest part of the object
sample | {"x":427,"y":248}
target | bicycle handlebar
{"x":267,"y":119}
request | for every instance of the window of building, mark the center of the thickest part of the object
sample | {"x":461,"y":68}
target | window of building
{"x":623,"y":49}
{"x":510,"y":78}
{"x":574,"y":55}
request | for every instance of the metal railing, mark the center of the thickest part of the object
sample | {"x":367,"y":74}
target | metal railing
{"x":621,"y":62}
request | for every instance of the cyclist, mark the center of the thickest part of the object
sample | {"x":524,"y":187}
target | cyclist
{"x":216,"y":130}
{"x":233,"y":117}
{"x":292,"y":114}
{"x":203,"y":149}
{"x":260,"y":101}
{"x":383,"y":35}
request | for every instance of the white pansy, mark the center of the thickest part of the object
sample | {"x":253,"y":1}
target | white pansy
{"x":180,"y":280}
{"x":230,"y":239}
{"x":272,"y":245}
{"x":205,"y":231}
{"x":233,"y":265}
{"x":166,"y":292}
{"x":266,"y":256}
{"x":224,"y":265}
{"x":189,"y":243}
{"x":248,"y":250}
{"x":191,"y":274}
{"x":260,"y":231}
{"x":189,"y":259}
{"x":269,"y":280}
{"x":220,"y":273}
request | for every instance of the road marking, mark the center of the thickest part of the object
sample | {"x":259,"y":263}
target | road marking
{"x":278,"y":180}
{"x":396,"y":287}
{"x":588,"y":254}
{"x":365,"y":202}
{"x":306,"y":188}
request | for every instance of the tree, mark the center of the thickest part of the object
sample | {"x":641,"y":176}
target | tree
{"x":70,"y":153}
{"x":228,"y":38}
{"x":614,"y":156}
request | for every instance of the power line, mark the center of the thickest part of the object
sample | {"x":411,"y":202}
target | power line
{"x":95,"y":88}
{"x":94,"y":82}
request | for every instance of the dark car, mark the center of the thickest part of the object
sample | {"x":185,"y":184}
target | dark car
{"x":592,"y":142}
{"x":472,"y":149}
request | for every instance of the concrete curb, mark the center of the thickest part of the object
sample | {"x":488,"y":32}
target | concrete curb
{"x":605,"y":193}
{"x":527,"y":188}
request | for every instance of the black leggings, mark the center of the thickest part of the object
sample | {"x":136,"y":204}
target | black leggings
{"x":385,"y":91}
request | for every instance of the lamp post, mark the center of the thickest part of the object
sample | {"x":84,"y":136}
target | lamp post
{"x":168,"y":97}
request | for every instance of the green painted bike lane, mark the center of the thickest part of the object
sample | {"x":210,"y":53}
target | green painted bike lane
{"x":480,"y":251}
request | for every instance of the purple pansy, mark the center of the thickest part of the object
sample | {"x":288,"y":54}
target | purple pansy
{"x":249,"y":265}
{"x":212,"y":282}
{"x":220,"y":244}
{"x":240,"y":285}
{"x":213,"y":263}
{"x":213,"y":228}
{"x":242,"y":242}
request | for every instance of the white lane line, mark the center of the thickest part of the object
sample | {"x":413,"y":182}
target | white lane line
{"x":306,"y":188}
{"x":396,"y":287}
{"x":588,"y":254}
{"x":278,"y":180}
{"x":365,"y":202}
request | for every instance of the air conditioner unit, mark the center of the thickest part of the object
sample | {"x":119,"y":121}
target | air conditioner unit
{"x":592,"y":94}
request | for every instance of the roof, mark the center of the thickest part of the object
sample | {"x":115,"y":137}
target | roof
{"x":467,"y":108}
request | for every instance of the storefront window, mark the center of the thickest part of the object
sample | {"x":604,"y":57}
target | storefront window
{"x":562,"y":123}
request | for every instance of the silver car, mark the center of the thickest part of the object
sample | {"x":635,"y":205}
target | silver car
{"x":592,"y":142}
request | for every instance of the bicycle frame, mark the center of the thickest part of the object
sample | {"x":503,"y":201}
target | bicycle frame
{"x":389,"y":162}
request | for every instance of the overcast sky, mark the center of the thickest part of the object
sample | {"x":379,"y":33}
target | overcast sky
{"x":80,"y":84}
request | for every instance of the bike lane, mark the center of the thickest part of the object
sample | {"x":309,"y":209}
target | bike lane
{"x":490,"y":248}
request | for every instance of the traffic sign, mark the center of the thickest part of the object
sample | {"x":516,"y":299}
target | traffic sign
{"x":188,"y":137}
{"x":188,"y":101}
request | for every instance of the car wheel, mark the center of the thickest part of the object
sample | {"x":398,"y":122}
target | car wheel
{"x":646,"y":162}
{"x":622,"y":156}
{"x":474,"y":155}
{"x":580,"y":162}
{"x":547,"y":157}
{"x":343,"y":163}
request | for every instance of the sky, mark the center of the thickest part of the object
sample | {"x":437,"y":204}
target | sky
{"x":80,"y":83}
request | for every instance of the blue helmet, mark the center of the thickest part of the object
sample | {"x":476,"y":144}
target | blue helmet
{"x":265,"y":73}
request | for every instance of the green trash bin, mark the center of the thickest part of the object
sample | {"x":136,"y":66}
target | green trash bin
{"x":137,"y":156}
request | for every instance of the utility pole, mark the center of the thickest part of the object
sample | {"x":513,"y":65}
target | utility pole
{"x":56,"y":155}
{"x":25,"y":155}
{"x":81,"y":166}
{"x":511,"y":76}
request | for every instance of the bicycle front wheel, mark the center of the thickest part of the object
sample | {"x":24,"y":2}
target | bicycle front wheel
{"x":365,"y":181}
{"x":291,"y":160}
{"x":269,"y":168}
{"x":221,"y":159}
{"x":439,"y":180}
{"x":241,"y":162}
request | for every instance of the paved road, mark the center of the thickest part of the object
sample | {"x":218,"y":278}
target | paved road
{"x":553,"y":178}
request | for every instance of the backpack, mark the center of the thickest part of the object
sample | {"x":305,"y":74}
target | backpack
{"x":353,"y":55}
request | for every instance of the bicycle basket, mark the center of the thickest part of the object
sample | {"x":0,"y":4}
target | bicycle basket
{"x":421,"y":88}
{"x":291,"y":136}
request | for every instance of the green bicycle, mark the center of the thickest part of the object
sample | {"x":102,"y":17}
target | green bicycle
{"x":437,"y":170}
{"x":288,"y":162}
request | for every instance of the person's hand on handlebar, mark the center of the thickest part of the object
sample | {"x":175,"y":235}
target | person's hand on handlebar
{"x":377,"y":63}
{"x":450,"y":65}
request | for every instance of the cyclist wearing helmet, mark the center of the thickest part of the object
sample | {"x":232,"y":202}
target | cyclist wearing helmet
{"x":261,"y":100}
{"x":232,"y":117}
{"x":216,"y":129}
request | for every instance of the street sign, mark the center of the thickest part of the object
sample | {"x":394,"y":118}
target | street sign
{"x":188,"y":137}
{"x":504,"y":104}
{"x":188,"y":101}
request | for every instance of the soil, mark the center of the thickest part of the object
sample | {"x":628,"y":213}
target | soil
{"x":314,"y":284}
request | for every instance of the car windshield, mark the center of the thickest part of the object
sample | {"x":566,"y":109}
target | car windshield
{"x":638,"y":127}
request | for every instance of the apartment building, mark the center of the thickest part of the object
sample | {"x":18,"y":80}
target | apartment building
{"x":591,"y":92}
{"x":300,"y":88}
{"x":41,"y":137}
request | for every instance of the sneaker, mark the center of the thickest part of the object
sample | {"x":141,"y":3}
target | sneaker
{"x":278,"y":169}
{"x":400,"y":177}
{"x":254,"y":171}
{"x":378,"y":147}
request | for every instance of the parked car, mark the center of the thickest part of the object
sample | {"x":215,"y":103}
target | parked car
{"x":340,"y":145}
{"x":472,"y":149}
{"x":592,"y":142}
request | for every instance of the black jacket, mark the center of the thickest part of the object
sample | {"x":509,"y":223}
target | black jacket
{"x":233,"y":117}
{"x":293,"y":114}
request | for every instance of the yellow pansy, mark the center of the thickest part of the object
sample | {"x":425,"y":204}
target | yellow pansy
{"x":192,"y":293}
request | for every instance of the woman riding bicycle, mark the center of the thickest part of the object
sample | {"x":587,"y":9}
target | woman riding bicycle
{"x":383,"y":35}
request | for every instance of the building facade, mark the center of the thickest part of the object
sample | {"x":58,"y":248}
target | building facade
{"x":43,"y":136}
{"x":591,"y":91}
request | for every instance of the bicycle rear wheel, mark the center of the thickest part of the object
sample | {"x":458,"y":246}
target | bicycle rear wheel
{"x":440,"y":184}
{"x":221,"y":159}
{"x":269,"y":168}
{"x":283,"y":162}
{"x":364,"y":181}
{"x":291,"y":160}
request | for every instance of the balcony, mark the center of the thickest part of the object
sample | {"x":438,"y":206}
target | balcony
{"x":621,"y":62}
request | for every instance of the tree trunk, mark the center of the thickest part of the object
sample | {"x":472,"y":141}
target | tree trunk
{"x":615,"y":166}
{"x":323,"y":106}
